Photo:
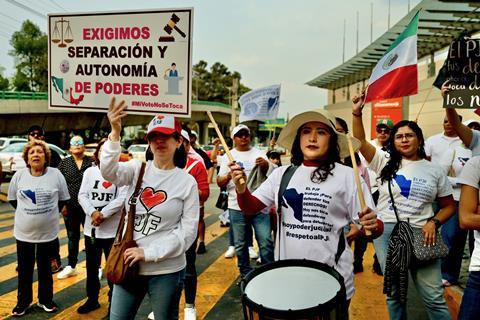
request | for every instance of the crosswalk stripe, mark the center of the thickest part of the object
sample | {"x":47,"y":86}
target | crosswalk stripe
{"x":212,"y":232}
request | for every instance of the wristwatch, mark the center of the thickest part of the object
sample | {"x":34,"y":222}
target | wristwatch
{"x":437,"y":222}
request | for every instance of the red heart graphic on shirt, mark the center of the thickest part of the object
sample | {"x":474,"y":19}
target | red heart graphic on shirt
{"x":106,"y":184}
{"x":151,"y":198}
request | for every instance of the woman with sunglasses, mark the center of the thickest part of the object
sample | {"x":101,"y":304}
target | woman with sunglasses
{"x":73,"y":168}
{"x":166,"y":215}
{"x":415,"y":184}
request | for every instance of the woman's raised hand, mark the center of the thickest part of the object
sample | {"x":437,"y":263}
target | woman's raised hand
{"x":445,"y":88}
{"x":115,"y":114}
{"x":236,"y":174}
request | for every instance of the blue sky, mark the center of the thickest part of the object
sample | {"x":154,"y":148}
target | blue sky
{"x":267,"y":41}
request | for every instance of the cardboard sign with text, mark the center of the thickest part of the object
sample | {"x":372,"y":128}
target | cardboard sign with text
{"x":143,"y":57}
{"x":385,"y":109}
{"x":463,"y":71}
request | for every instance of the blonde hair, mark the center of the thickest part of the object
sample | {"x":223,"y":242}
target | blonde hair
{"x":34,"y":143}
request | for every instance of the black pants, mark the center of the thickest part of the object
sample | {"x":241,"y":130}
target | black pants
{"x":93,"y":250}
{"x":73,"y":220}
{"x":191,"y":274}
{"x":56,"y":251}
{"x":27,"y":253}
{"x":361,"y":243}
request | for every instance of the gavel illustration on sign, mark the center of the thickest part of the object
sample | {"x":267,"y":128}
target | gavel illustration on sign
{"x":170,"y":26}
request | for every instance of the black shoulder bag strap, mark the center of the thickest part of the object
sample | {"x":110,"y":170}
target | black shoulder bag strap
{"x":287,"y":175}
{"x":391,"y":199}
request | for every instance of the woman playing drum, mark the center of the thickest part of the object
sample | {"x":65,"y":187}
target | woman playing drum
{"x":318,"y":201}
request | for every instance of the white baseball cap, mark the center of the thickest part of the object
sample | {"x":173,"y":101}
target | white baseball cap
{"x":239,"y":128}
{"x":185,"y":135}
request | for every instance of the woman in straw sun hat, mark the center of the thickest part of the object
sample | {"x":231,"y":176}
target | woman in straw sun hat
{"x":319,"y":199}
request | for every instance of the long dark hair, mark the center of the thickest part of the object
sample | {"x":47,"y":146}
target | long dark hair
{"x":325,"y":166}
{"x":96,"y":158}
{"x":390,"y":170}
{"x":179,"y":157}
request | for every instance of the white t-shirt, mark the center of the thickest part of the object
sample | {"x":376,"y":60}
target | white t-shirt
{"x":167,"y":211}
{"x":372,"y":174}
{"x":416,"y":186}
{"x":97,"y":193}
{"x":470,"y":176}
{"x":314,"y":216}
{"x":436,"y":145}
{"x":37,"y":214}
{"x":455,"y":158}
{"x":245,"y":159}
{"x":475,"y":144}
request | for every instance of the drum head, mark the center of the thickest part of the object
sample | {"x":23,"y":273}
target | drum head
{"x":292,"y":287}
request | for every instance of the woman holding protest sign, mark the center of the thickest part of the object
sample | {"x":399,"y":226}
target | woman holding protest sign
{"x":166,"y":215}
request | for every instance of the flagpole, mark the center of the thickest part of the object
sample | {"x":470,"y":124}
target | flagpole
{"x":222,"y":141}
{"x":423,"y":104}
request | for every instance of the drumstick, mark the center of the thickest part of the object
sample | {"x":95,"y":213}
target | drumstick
{"x":361,"y":196}
{"x":222,"y":141}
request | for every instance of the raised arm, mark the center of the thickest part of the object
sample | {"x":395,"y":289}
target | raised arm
{"x":367,"y":150}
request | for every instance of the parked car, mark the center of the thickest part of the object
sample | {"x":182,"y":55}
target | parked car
{"x":5,"y":142}
{"x":208,"y":148}
{"x":12,"y":161}
{"x":138,"y":151}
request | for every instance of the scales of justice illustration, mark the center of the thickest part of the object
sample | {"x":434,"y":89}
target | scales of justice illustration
{"x":64,"y":36}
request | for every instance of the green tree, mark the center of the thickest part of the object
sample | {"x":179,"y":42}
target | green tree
{"x":215,"y":84}
{"x":30,"y":50}
{"x":4,"y":83}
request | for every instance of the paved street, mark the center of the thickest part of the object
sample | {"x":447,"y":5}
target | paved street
{"x":218,"y":297}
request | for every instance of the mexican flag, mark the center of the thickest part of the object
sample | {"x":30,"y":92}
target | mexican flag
{"x":65,"y":90}
{"x":395,"y":75}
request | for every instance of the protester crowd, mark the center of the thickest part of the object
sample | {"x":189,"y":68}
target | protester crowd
{"x":413,"y":186}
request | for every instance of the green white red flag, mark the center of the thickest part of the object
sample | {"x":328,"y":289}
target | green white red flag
{"x":395,"y":75}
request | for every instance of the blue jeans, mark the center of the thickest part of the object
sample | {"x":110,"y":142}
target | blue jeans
{"x":471,"y":297}
{"x":426,"y":277}
{"x":263,"y":233}
{"x":163,"y":290}
{"x":455,"y":239}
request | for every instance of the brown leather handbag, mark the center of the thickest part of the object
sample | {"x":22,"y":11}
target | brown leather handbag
{"x":116,"y":270}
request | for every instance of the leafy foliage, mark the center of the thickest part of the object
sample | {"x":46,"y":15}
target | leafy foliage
{"x":215,"y":84}
{"x":30,"y":49}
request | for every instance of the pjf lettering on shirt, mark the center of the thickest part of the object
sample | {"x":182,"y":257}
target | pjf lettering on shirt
{"x":146,"y":223}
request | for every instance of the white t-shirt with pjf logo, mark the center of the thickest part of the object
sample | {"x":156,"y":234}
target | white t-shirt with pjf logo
{"x":415,"y":187}
{"x":314,"y":214}
{"x":37,"y":214}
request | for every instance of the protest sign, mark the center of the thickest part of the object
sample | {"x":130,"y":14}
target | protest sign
{"x":385,"y":109}
{"x":462,"y":68}
{"x":143,"y":57}
{"x":260,"y":104}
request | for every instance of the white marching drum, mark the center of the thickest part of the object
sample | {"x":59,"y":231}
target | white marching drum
{"x":294,"y":289}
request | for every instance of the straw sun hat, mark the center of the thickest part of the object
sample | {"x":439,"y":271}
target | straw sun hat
{"x":288,"y":133}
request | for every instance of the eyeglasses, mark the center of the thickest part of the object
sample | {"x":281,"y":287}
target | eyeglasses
{"x":78,"y":142}
{"x":408,"y":136}
{"x":383,"y":130}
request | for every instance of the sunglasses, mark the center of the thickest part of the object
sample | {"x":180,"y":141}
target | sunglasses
{"x":242,"y":134}
{"x":36,"y":134}
{"x":78,"y":142}
{"x":383,"y":130}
